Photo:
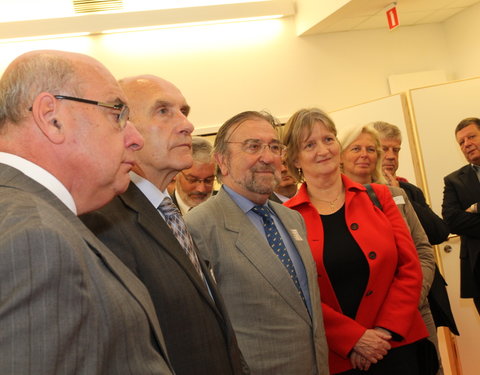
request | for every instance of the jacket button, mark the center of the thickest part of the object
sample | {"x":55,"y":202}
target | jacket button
{"x":354,"y":226}
{"x":369,"y":293}
{"x":372,"y":255}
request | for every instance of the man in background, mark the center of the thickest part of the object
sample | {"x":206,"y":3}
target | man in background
{"x":258,"y":251}
{"x":67,"y":304}
{"x":146,"y":231}
{"x":435,"y":228}
{"x":194,"y":185}
{"x":460,"y":209}
{"x":286,"y":188}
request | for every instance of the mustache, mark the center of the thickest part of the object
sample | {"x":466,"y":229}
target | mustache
{"x":198,"y":194}
{"x":264,"y":168}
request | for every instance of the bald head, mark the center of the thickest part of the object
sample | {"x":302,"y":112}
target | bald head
{"x":159,"y":111}
{"x":141,"y":89}
{"x":34,"y":72}
{"x":50,"y":114}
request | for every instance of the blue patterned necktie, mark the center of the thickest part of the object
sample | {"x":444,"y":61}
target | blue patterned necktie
{"x":176,"y":223}
{"x":276,"y":243}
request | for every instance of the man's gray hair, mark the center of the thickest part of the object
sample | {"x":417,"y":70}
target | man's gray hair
{"x":387,"y":130}
{"x":202,"y":150}
{"x":30,"y":76}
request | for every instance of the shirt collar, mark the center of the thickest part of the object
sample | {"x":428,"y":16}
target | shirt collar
{"x":242,"y":202}
{"x":42,"y":176}
{"x":153,"y":194}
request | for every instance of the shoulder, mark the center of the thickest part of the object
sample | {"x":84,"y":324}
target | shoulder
{"x":211,"y":208}
{"x":455,"y":174}
{"x":407,"y":186}
{"x":28,"y":221}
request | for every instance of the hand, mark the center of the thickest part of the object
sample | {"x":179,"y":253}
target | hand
{"x":473,"y":209}
{"x":359,"y":362}
{"x":391,"y":179}
{"x":373,"y":344}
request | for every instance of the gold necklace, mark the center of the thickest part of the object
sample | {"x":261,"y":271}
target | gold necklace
{"x":331,"y":203}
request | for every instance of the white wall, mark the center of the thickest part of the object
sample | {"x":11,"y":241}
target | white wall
{"x":463,"y":43}
{"x":225,"y":69}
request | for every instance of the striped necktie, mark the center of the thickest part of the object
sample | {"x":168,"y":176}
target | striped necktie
{"x":176,"y":223}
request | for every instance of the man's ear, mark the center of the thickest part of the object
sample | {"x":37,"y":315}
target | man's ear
{"x":221,"y":163}
{"x":45,"y":112}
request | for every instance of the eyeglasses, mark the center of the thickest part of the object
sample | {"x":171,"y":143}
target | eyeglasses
{"x":255,"y":147}
{"x":122,"y":117}
{"x":194,"y":180}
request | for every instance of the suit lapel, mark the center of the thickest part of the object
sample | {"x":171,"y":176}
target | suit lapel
{"x":470,"y":181}
{"x":254,"y":246}
{"x":117,"y":268}
{"x":152,"y":222}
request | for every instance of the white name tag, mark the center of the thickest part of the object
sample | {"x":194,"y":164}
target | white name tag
{"x":399,"y":199}
{"x":295,"y":235}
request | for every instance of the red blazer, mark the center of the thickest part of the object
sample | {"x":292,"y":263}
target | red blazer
{"x":393,"y":290}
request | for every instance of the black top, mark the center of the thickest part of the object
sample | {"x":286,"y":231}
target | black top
{"x":345,"y":262}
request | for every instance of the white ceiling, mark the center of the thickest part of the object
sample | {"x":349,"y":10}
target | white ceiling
{"x":370,"y":14}
{"x":56,"y":17}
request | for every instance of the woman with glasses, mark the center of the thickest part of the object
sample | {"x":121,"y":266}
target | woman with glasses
{"x":368,"y":270}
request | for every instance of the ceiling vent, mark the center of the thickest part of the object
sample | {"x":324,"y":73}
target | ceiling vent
{"x":93,"y":6}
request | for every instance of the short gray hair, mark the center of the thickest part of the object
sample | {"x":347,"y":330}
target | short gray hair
{"x":28,"y":77}
{"x":387,"y":130}
{"x":202,"y":150}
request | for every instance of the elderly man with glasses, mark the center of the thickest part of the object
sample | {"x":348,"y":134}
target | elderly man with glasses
{"x":68,"y":305}
{"x":194,"y":185}
{"x":258,"y":252}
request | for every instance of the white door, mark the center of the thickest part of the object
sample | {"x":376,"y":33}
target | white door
{"x":436,"y":111}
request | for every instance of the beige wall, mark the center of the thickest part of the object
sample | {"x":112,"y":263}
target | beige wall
{"x":463,"y":43}
{"x":225,"y":69}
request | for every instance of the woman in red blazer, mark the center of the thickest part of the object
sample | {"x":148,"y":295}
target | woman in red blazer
{"x":368,"y":269}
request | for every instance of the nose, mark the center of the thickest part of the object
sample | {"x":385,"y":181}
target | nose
{"x":266,"y":155}
{"x":186,"y":126}
{"x":133,"y":139}
{"x":363,"y":153}
{"x":201,"y":187}
{"x":388,"y":154}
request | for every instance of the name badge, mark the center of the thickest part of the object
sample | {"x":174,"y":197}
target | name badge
{"x":295,"y":235}
{"x":399,"y":199}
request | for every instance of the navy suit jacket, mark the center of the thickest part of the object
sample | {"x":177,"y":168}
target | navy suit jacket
{"x":197,"y":331}
{"x":461,"y":190}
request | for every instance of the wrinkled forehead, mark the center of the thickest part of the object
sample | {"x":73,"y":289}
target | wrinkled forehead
{"x":253,"y":129}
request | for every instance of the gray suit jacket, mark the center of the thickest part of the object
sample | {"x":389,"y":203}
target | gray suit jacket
{"x":198,"y":334}
{"x":67,"y":304}
{"x":274,"y":329}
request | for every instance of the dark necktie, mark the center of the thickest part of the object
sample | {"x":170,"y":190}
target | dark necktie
{"x":176,"y":223}
{"x":276,"y":243}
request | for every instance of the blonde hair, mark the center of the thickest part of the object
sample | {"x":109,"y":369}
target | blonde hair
{"x":349,"y":135}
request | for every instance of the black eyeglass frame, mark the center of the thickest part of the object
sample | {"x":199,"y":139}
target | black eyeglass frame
{"x":123,"y":108}
{"x":281,"y":147}
{"x":198,"y":180}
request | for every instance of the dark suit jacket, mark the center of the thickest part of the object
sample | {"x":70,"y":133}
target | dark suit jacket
{"x":461,"y":190}
{"x":67,"y":304}
{"x":198,"y":334}
{"x":436,"y":229}
{"x":437,"y":232}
